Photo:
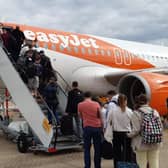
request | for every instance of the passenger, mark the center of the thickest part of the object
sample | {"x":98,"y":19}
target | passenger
{"x":104,"y":114}
{"x":112,"y":102}
{"x":120,"y":117}
{"x":112,"y":99}
{"x":89,"y":112}
{"x":19,"y":37}
{"x":31,"y":72}
{"x":47,"y":71}
{"x":75,"y":96}
{"x":38,"y":69}
{"x":9,"y":43}
{"x":27,"y":45}
{"x":103,"y":111}
{"x":145,"y":153}
{"x":50,"y":96}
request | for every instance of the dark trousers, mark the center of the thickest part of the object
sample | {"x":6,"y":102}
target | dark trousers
{"x":121,"y":147}
{"x":92,"y":133}
{"x":53,"y":108}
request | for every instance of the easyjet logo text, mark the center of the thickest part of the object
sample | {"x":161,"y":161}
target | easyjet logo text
{"x":63,"y":40}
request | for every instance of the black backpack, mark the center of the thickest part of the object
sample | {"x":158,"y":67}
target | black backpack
{"x":78,"y":96}
{"x":31,"y":70}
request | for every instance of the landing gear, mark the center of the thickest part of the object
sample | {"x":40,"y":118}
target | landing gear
{"x":22,"y":143}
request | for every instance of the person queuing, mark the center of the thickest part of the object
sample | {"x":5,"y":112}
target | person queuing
{"x":112,"y":97}
{"x":120,"y":117}
{"x":89,"y":111}
{"x":146,"y":134}
{"x":75,"y":96}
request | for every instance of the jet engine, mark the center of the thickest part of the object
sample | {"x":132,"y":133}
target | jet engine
{"x":154,"y":85}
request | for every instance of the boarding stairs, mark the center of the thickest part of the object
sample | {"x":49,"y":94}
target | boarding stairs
{"x":46,"y":135}
{"x":24,"y":100}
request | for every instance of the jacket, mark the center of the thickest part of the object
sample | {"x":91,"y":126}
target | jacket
{"x":136,"y":129}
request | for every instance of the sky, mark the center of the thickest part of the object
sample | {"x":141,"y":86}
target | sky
{"x":134,"y":20}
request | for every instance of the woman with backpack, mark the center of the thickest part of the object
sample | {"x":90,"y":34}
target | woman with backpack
{"x":146,"y":133}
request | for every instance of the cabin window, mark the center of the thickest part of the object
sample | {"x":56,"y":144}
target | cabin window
{"x":45,"y":45}
{"x":96,"y":51}
{"x":76,"y":49}
{"x":69,"y":49}
{"x":83,"y":50}
{"x":135,"y":55}
{"x":89,"y":51}
{"x":61,"y":48}
{"x":53,"y":47}
{"x":108,"y":52}
{"x":102,"y":52}
{"x":144,"y":56}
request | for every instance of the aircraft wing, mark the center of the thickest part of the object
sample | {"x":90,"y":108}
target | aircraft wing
{"x":114,"y":78}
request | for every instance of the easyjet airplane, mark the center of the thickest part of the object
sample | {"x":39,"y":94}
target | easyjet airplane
{"x":100,"y":64}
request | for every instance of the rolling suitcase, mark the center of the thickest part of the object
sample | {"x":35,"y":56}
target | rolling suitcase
{"x":66,"y":125}
{"x":127,"y":165}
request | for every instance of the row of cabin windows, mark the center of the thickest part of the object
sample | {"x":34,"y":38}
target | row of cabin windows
{"x":76,"y":49}
{"x":103,"y":53}
{"x":153,"y":58}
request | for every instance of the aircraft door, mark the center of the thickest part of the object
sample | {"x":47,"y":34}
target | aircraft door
{"x":127,"y":58}
{"x":118,"y":56}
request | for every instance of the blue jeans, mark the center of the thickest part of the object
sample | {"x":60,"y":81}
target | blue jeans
{"x":92,"y":133}
{"x":77,"y":126}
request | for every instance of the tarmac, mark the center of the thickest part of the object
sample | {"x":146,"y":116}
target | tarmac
{"x":11,"y":158}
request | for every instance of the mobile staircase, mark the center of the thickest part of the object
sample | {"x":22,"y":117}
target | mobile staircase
{"x":40,"y":135}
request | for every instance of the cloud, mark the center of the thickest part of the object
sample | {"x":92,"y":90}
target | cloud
{"x":138,"y":20}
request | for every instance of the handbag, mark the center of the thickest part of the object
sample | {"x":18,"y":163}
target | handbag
{"x":108,"y":134}
{"x":107,"y":150}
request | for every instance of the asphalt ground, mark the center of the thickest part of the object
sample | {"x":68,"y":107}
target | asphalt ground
{"x":11,"y":158}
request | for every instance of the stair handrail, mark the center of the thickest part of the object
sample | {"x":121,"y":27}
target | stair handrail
{"x":67,"y":86}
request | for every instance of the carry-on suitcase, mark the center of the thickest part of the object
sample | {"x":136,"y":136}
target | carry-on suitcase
{"x":66,"y":125}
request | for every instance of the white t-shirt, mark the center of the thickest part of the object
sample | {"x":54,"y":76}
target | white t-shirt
{"x":121,"y":121}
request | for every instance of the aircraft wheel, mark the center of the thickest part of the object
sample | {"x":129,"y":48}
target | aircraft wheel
{"x":22,"y":143}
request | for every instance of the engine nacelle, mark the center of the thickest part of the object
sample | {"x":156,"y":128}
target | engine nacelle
{"x":154,"y":85}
